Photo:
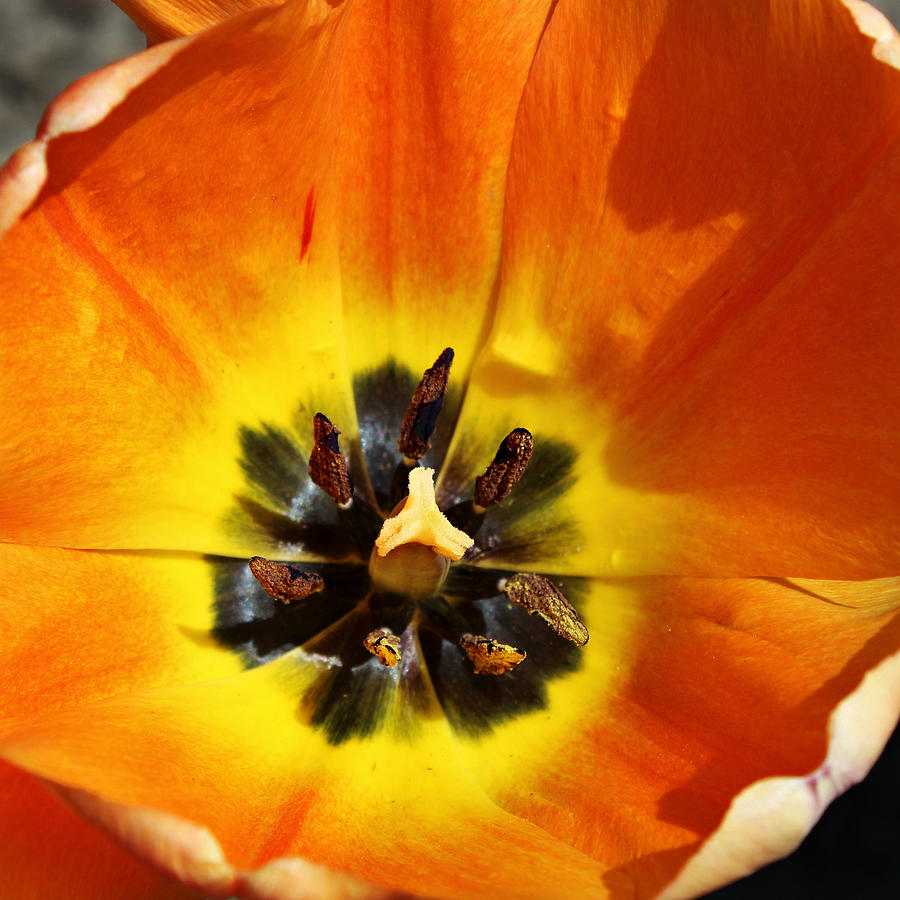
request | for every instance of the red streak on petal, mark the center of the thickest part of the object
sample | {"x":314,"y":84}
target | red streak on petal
{"x":308,"y":217}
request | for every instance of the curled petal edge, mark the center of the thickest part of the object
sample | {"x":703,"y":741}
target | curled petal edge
{"x":162,"y":21}
{"x":191,"y":854}
{"x":769,"y":819}
{"x":297,"y":879}
{"x":80,"y":106}
{"x":874,"y":24}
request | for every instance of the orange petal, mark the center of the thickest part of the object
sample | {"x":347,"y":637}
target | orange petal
{"x":698,"y":287}
{"x":48,"y":851}
{"x":689,"y":692}
{"x":80,"y":626}
{"x":181,"y":270}
{"x":428,"y":108}
{"x":161,"y":20}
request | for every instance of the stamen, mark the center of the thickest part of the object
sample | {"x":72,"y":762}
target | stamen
{"x":327,"y":465}
{"x":509,"y":465}
{"x":384,"y":644}
{"x":283,"y":581}
{"x":422,"y":414}
{"x":421,"y":522}
{"x":490,"y":657}
{"x":543,"y":598}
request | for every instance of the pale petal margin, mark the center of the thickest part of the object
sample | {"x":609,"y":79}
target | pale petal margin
{"x":769,"y":819}
{"x":874,"y":24}
{"x":81,"y":106}
{"x":190,"y":853}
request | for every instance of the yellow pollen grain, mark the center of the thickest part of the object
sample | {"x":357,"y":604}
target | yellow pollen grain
{"x":421,"y":522}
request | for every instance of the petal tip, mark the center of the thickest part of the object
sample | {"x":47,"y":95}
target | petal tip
{"x":298,"y":879}
{"x":87,"y":101}
{"x":82,"y":105}
{"x":191,"y":854}
{"x":875,"y":24}
{"x":181,"y":849}
{"x":770,"y":818}
{"x":21,"y":180}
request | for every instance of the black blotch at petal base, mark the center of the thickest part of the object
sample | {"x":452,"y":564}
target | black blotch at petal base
{"x":350,"y":696}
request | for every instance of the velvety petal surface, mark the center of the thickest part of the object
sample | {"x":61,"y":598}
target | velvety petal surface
{"x":710,"y":191}
{"x":47,"y":850}
{"x":428,"y":108}
{"x":79,"y":626}
{"x":182,"y":283}
{"x":674,"y":703}
{"x":430,"y":98}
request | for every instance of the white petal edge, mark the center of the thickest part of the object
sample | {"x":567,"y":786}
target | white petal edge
{"x":82,"y":105}
{"x":769,"y":819}
{"x":180,"y":849}
{"x":297,"y":879}
{"x":874,"y":24}
{"x":191,"y":855}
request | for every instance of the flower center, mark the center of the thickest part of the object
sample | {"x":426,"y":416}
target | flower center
{"x":410,"y":586}
{"x":416,"y":541}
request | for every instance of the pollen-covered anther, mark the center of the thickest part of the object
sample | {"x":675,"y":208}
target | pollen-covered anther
{"x":424,"y":407}
{"x":421,"y":522}
{"x":383,"y":643}
{"x":508,"y":466}
{"x":283,"y":581}
{"x":541,"y":597}
{"x":490,"y":657}
{"x":327,"y":465}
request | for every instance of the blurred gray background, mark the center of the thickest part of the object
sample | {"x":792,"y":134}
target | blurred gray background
{"x":855,"y":850}
{"x":44,"y":46}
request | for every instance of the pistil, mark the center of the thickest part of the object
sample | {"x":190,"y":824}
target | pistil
{"x":419,"y":521}
{"x":412,"y":552}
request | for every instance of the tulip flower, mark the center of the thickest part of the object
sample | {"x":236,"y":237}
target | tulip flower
{"x":450,"y":449}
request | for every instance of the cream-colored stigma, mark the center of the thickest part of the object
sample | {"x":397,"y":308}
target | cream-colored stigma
{"x":421,"y":522}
